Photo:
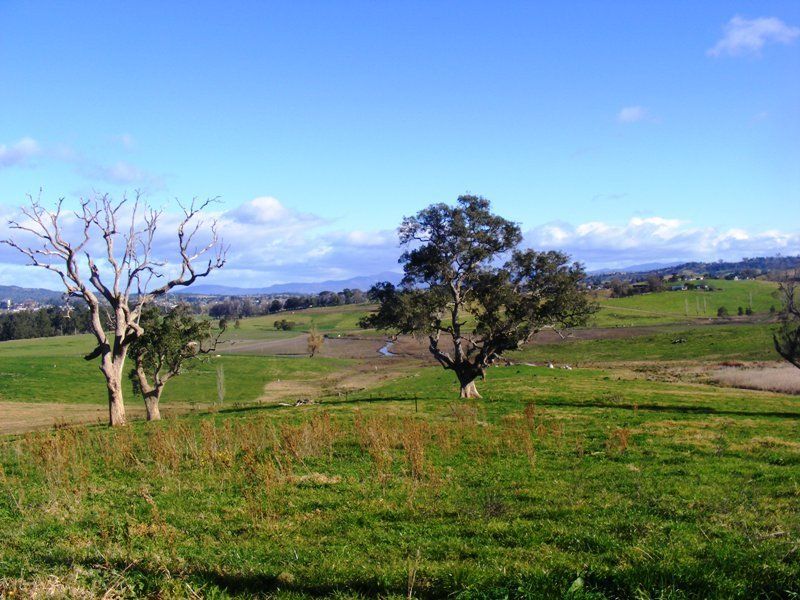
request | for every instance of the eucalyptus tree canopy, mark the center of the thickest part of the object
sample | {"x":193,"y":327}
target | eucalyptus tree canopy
{"x":467,"y":280}
{"x":168,"y":343}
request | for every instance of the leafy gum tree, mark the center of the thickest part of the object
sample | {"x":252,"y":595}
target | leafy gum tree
{"x":454,"y":288}
{"x":169,"y":342}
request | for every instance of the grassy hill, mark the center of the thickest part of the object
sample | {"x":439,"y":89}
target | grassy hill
{"x":670,"y":307}
{"x":330,"y":320}
{"x":701,"y":343}
{"x":596,"y":480}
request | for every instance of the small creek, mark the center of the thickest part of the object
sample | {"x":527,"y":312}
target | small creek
{"x":387,"y":349}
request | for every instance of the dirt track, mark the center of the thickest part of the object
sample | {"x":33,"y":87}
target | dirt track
{"x":19,"y":417}
{"x":344,"y":347}
{"x":354,"y":346}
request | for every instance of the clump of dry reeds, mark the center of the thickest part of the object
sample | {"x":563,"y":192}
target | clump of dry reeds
{"x":516,"y":433}
{"x":783,"y":379}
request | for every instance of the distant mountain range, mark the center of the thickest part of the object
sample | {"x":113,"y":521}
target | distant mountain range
{"x":337,"y":285}
{"x":774,"y":264}
{"x":642,"y":268}
{"x":19,"y":294}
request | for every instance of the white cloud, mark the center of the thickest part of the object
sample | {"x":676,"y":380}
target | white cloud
{"x":18,"y":153}
{"x":632,"y":114}
{"x":118,"y":173}
{"x":266,"y":210}
{"x":273,"y":243}
{"x":646,"y":239}
{"x":749,"y":36}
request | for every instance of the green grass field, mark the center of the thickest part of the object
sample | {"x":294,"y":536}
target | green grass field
{"x":53,"y":370}
{"x":339,"y":319}
{"x":705,"y":343}
{"x":556,"y":481}
{"x":646,"y":309}
{"x":590,"y":483}
{"x":671,"y":307}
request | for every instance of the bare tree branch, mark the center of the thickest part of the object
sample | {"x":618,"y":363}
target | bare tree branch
{"x":121,"y":274}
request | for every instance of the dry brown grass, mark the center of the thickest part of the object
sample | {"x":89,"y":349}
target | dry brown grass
{"x":415,"y":435}
{"x":618,"y":440}
{"x":376,"y":436}
{"x":783,"y":379}
{"x":51,"y":588}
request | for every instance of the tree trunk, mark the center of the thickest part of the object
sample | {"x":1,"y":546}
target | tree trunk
{"x":111,"y":367}
{"x":466,"y":378}
{"x":468,"y":390}
{"x":116,"y":406}
{"x":150,"y":393}
{"x":151,"y":399}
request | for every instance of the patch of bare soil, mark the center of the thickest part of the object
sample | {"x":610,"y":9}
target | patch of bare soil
{"x":354,"y":346}
{"x":344,"y":347}
{"x":19,"y":417}
{"x":316,"y":385}
{"x":764,"y":376}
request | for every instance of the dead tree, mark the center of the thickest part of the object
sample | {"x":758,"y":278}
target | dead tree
{"x":118,"y":276}
{"x":787,"y":338}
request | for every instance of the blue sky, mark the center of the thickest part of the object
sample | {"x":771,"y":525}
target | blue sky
{"x":623,"y":132}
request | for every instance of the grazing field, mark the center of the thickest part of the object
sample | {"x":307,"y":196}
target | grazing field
{"x":690,"y":305}
{"x":559,"y":480}
{"x":337,"y":319}
{"x":53,"y":370}
{"x":595,"y":482}
{"x":705,"y":343}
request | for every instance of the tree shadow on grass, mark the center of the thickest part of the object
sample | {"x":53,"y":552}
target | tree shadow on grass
{"x":151,"y":580}
{"x":665,"y":408}
{"x":672,"y":408}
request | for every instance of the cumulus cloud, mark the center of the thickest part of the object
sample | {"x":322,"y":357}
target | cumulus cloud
{"x":646,"y":239}
{"x":19,"y":153}
{"x":749,"y":36}
{"x":266,"y":210}
{"x":632,"y":114}
{"x":273,"y":243}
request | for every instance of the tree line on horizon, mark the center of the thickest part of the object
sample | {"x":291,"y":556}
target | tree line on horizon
{"x":238,"y":307}
{"x":44,"y":322}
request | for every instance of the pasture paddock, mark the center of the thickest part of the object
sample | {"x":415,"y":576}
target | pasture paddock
{"x":631,"y":488}
{"x":610,"y":480}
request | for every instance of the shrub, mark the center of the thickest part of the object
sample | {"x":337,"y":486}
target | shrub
{"x":284,"y":325}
